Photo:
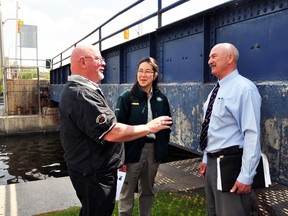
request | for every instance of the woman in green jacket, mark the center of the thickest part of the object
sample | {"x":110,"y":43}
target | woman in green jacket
{"x":141,"y":104}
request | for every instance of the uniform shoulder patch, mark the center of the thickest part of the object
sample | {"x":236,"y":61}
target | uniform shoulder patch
{"x":101,"y":119}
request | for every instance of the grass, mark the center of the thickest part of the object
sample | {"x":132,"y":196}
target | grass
{"x":178,"y":203}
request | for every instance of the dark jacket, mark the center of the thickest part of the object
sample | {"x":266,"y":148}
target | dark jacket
{"x":81,"y":130}
{"x":132,"y":109}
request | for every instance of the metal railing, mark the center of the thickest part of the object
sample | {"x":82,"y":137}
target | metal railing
{"x":61,"y":57}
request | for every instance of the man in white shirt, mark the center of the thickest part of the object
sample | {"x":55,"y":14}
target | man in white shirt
{"x":234,"y":124}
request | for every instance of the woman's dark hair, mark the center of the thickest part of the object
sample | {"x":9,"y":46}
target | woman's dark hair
{"x":154,"y":65}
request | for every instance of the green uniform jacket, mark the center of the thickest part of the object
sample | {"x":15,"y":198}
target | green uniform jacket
{"x":132,"y":109}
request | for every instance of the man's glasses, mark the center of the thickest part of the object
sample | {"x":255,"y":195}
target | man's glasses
{"x":99,"y":59}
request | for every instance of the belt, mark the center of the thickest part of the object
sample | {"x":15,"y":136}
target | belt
{"x":149,"y":140}
{"x":227,"y":151}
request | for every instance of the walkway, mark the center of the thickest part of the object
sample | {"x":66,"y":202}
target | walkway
{"x":30,"y":198}
{"x":27,"y":199}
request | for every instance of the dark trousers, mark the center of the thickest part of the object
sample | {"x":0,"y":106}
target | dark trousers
{"x":96,"y":192}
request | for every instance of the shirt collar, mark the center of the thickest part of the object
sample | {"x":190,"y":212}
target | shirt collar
{"x":150,"y":94}
{"x":229,"y":77}
{"x":83,"y":81}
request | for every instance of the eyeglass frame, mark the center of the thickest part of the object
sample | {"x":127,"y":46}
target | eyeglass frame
{"x":99,"y":59}
{"x":146,"y":72}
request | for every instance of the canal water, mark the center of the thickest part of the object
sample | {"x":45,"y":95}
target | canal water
{"x":31,"y":157}
{"x":39,"y":156}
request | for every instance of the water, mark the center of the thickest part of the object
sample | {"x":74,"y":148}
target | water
{"x":39,"y":156}
{"x":31,"y":157}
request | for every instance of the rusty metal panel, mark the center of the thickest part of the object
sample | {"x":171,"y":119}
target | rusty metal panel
{"x":274,"y":127}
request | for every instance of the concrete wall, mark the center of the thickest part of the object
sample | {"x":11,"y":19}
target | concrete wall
{"x":16,"y":124}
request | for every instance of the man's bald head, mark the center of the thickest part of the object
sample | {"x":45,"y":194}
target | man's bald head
{"x":81,"y":51}
{"x":228,"y":48}
{"x":86,"y":60}
{"x":223,"y":59}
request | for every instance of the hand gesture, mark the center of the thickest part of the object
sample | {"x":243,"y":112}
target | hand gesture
{"x":159,"y":123}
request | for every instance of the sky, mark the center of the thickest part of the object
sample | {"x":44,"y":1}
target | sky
{"x":61,"y":23}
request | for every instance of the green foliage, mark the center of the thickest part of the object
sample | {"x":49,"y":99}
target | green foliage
{"x":1,"y":87}
{"x":179,"y":203}
{"x":182,"y":203}
{"x":31,"y":73}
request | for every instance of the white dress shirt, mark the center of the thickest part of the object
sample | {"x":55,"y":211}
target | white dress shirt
{"x":235,"y":120}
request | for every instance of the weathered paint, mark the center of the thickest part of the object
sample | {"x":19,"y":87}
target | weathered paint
{"x":186,"y":100}
{"x":274,"y":127}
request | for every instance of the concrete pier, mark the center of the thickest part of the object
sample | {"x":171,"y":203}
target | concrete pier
{"x":15,"y":124}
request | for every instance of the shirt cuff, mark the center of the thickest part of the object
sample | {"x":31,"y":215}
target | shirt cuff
{"x":244,"y":180}
{"x":204,"y":159}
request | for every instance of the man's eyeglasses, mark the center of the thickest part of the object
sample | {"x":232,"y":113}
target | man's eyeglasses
{"x":99,"y":59}
{"x":145,"y":72}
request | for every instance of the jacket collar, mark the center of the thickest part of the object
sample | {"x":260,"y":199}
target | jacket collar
{"x":139,"y":92}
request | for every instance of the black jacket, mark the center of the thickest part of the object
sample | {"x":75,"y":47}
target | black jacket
{"x":132,"y":109}
{"x":82,"y":107}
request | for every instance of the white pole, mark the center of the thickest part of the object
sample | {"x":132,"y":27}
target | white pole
{"x":140,"y":27}
{"x":2,"y":63}
{"x":38,"y":74}
{"x":1,"y":39}
{"x":16,"y":39}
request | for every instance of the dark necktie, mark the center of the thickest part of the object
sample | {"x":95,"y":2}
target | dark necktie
{"x":205,"y":124}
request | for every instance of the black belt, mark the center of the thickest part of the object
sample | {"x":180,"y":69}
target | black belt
{"x":149,"y":140}
{"x":227,"y":151}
